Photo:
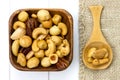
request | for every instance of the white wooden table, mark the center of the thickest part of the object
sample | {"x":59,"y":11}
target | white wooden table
{"x":71,"y":73}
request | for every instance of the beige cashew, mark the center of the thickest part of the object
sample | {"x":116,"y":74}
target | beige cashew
{"x":91,"y":51}
{"x":35,"y":47}
{"x":95,"y":62}
{"x":19,"y":24}
{"x":18,"y":33}
{"x":57,"y":40}
{"x":59,"y":54}
{"x":29,"y":55}
{"x":51,"y":48}
{"x":38,"y":31}
{"x":40,"y":54}
{"x":21,"y":59}
{"x":103,"y":61}
{"x":42,"y":36}
{"x":63,"y":28}
{"x":34,"y":15}
{"x":42,"y":44}
{"x":15,"y":47}
{"x":64,"y":48}
{"x":90,"y":59}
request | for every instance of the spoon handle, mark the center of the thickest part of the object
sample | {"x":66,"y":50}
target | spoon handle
{"x":96,"y":13}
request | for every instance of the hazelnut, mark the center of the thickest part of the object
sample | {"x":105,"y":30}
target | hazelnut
{"x":54,"y":31}
{"x":47,"y":24}
{"x":43,"y":15}
{"x":25,"y":41}
{"x":45,"y":62}
{"x":53,"y":58}
{"x":56,"y":19}
{"x":23,"y":16}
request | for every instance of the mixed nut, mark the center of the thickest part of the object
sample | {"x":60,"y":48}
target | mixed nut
{"x":39,"y":39}
{"x":98,"y":57}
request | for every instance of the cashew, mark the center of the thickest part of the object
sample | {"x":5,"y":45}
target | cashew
{"x":90,"y":59}
{"x":25,"y":41}
{"x":45,"y":62}
{"x":18,"y":33}
{"x":95,"y":62}
{"x":40,"y":54}
{"x":54,"y":31}
{"x":100,"y":53}
{"x":34,"y":15}
{"x":103,"y":61}
{"x":15,"y":47}
{"x":42,"y":44}
{"x":91,"y":51}
{"x":56,"y":19}
{"x":63,"y":28}
{"x":59,"y":54}
{"x":35,"y":47}
{"x":64,"y":48}
{"x":18,"y":24}
{"x":106,"y":55}
{"x":21,"y":59}
{"x":23,"y":16}
{"x":47,"y":24}
{"x":43,"y":15}
{"x":29,"y":55}
{"x":51,"y":48}
{"x":33,"y":62}
{"x":38,"y":31}
{"x":53,"y":58}
{"x":57,"y":40}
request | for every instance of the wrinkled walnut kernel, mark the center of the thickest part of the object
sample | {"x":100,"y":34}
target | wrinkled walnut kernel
{"x":31,"y":24}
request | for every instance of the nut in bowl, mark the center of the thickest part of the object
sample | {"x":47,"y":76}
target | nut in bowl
{"x":41,"y":39}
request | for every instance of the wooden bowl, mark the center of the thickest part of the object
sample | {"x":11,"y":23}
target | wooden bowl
{"x":66,"y":18}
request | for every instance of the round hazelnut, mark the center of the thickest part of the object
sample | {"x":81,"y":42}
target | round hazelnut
{"x":54,"y":31}
{"x":43,"y":15}
{"x":23,"y":16}
{"x":25,"y":41}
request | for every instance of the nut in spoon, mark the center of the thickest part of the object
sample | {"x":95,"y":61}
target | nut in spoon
{"x":98,"y":42}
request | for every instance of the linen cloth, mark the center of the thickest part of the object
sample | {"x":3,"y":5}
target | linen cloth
{"x":110,"y":26}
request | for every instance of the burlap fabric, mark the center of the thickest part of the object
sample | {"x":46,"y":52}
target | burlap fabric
{"x":110,"y":25}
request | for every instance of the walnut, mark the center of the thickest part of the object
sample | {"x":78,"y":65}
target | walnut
{"x":62,"y":64}
{"x":31,"y":24}
{"x":25,"y":50}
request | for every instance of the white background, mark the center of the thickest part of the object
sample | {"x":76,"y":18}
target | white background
{"x":7,"y":72}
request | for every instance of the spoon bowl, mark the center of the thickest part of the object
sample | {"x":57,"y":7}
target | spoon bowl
{"x":96,"y":40}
